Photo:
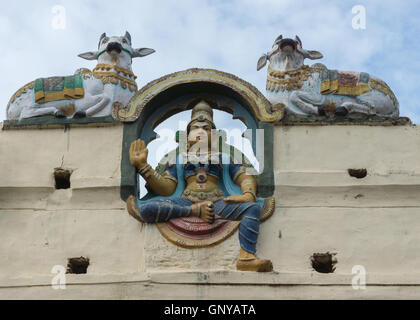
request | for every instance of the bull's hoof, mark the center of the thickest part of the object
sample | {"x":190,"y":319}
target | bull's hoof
{"x":59,"y":114}
{"x":341,"y":111}
{"x":321,"y":111}
{"x":80,"y":114}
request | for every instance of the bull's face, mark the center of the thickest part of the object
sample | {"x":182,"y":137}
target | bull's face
{"x":116,"y":51}
{"x":287,"y":54}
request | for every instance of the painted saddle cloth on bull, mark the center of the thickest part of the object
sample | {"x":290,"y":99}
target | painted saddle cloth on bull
{"x":58,"y":88}
{"x":344,"y":82}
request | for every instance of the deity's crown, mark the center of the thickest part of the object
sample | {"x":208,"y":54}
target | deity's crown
{"x":202,"y":112}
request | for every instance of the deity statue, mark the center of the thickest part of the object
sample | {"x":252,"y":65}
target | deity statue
{"x":200,"y":176}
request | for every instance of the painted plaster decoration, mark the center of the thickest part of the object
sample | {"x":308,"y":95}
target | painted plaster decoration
{"x":317,"y":90}
{"x":205,"y":186}
{"x":86,"y":93}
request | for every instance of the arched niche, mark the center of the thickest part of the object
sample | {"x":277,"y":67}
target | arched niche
{"x":177,"y":92}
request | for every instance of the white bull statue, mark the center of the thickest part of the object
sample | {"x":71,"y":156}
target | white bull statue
{"x":318,"y":90}
{"x":87,"y":93}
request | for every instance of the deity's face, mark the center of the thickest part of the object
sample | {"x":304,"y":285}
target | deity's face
{"x":200,"y":136}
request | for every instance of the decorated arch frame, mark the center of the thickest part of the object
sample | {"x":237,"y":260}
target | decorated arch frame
{"x":177,"y":92}
{"x":173,"y":93}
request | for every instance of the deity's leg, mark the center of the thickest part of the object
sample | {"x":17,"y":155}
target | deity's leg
{"x":249,"y":215}
{"x":163,"y":210}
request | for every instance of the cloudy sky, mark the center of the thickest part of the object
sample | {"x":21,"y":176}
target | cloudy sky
{"x":224,"y":35}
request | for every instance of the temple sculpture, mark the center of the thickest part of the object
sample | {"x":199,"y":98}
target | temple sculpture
{"x":320,"y":176}
{"x":86,"y":93}
{"x":192,"y":186}
{"x":317,"y":90}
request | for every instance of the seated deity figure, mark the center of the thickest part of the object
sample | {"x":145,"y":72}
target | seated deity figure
{"x":202,"y":196}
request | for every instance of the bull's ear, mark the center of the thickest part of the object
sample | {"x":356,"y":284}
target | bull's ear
{"x":313,"y":55}
{"x":142,"y":52}
{"x":88,"y":55}
{"x":262,"y":62}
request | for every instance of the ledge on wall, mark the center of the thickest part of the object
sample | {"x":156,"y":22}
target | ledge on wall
{"x":213,"y":285}
{"x":351,"y":119}
{"x":51,"y":122}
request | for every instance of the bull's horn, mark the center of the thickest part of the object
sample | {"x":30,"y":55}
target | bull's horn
{"x":100,"y":39}
{"x":128,"y":36}
{"x":262,"y":62}
{"x":280,"y":37}
{"x":298,"y":40}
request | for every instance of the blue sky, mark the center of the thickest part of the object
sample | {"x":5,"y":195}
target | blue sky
{"x":225,"y":35}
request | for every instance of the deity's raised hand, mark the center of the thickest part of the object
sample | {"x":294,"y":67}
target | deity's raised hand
{"x":138,"y":154}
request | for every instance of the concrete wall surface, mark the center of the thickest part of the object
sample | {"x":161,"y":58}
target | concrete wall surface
{"x":371,"y":222}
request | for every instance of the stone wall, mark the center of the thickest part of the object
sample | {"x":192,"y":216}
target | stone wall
{"x":320,"y":208}
{"x":41,"y":226}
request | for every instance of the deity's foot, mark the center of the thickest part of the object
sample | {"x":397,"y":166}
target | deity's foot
{"x":249,"y":262}
{"x":133,"y":208}
{"x":256,"y":265}
{"x":203,"y":210}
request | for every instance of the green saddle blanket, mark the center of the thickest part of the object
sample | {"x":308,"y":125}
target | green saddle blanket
{"x":58,"y":88}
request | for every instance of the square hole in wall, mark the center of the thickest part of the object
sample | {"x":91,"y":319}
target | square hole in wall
{"x":357,"y":173}
{"x":62,"y":178}
{"x":324,"y":262}
{"x":77,"y":265}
